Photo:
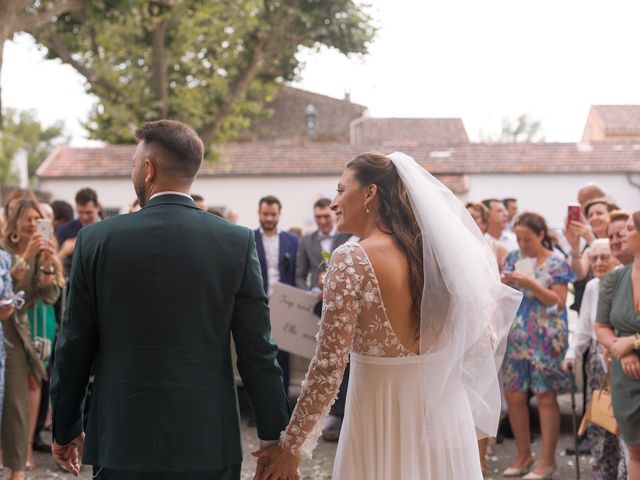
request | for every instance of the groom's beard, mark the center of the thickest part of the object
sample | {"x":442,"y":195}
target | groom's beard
{"x":141,"y":192}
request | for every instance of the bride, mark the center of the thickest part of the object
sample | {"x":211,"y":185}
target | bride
{"x":418,"y":307}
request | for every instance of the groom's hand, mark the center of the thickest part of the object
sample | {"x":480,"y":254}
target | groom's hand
{"x":68,"y":456}
{"x":276,"y":463}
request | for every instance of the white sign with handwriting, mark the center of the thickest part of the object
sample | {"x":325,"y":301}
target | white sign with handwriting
{"x":293,"y":324}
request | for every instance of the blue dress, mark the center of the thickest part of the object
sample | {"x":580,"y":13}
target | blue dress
{"x":539,"y":336}
{"x":6,"y":290}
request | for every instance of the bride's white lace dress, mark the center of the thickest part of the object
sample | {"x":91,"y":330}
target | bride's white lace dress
{"x":383,"y":434}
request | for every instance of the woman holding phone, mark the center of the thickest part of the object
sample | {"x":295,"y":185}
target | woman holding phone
{"x":36,"y":271}
{"x":537,"y":343}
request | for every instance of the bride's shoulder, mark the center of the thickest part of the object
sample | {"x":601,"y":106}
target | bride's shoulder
{"x":349,"y":253}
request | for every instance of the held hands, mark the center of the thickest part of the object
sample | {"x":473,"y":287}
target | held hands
{"x":69,"y":456}
{"x":37,"y":243}
{"x":276,"y":463}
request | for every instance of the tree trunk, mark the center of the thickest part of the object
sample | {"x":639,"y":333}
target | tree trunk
{"x":160,"y":60}
{"x":238,"y":90}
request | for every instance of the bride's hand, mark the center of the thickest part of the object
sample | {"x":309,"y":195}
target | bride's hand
{"x":280,"y":464}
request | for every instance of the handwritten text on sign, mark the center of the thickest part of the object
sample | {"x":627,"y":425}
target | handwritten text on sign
{"x":293,"y":324}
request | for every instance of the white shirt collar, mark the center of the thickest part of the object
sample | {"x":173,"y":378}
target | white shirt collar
{"x":170,"y":193}
{"x":331,"y":234}
{"x":277,"y":230}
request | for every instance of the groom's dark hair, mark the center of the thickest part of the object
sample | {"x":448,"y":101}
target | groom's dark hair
{"x":175,"y":146}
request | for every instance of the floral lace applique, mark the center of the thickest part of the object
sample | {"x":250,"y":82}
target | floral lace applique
{"x":353,"y":317}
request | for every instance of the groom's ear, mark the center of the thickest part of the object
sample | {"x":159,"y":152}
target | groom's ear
{"x":150,"y":170}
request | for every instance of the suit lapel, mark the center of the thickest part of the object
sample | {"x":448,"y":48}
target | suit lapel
{"x":315,"y":242}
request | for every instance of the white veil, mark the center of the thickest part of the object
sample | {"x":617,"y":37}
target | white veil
{"x":465,"y":319}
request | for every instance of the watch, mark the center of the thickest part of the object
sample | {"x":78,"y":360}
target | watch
{"x":636,"y":344}
{"x":50,"y":271}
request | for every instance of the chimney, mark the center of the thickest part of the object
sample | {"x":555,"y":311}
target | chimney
{"x":310,"y":116}
{"x":347,"y":96}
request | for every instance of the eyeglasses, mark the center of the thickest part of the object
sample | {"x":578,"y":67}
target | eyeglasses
{"x":603,"y":258}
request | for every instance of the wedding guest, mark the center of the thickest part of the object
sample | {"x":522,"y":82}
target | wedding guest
{"x":277,"y":254}
{"x":37,"y":272}
{"x":511,"y":204}
{"x":615,"y":231}
{"x":88,"y":209}
{"x":480,"y":214}
{"x":596,"y":212}
{"x":62,"y":213}
{"x":309,"y":264}
{"x":215,"y":211}
{"x":135,"y":206}
{"x":199,"y":201}
{"x":607,"y":459}
{"x":6,"y":291}
{"x":618,"y":330}
{"x":537,"y":343}
{"x":14,"y":198}
{"x":497,"y":222}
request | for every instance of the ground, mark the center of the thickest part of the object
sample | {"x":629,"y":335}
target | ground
{"x":320,"y":467}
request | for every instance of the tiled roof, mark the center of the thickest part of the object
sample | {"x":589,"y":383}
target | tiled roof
{"x":408,"y":131}
{"x":288,"y":124}
{"x":618,"y":118}
{"x":251,"y":159}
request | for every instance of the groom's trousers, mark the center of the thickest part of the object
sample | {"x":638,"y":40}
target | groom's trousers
{"x":230,"y":473}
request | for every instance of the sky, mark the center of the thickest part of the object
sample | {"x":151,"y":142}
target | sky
{"x":480,"y":60}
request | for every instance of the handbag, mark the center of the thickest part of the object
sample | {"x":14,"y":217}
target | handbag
{"x":41,"y":343}
{"x":600,"y":410}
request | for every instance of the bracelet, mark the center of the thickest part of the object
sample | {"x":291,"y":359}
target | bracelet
{"x":20,"y":264}
{"x":51,"y":271}
{"x":636,"y":344}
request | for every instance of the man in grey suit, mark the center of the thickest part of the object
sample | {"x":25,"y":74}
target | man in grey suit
{"x":326,"y":238}
{"x":154,"y":298}
{"x":308,"y":269}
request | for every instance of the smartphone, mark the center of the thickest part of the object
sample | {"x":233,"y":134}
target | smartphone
{"x":43,"y":227}
{"x":526,"y":266}
{"x":573,"y":213}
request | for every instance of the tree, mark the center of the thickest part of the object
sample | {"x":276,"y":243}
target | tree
{"x":521,"y":130}
{"x":23,"y":130}
{"x":209,"y":63}
{"x":28,"y":15}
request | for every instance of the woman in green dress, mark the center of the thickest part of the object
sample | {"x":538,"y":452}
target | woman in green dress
{"x":618,"y":329}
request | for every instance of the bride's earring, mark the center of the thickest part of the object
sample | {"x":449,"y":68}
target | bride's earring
{"x":366,"y":208}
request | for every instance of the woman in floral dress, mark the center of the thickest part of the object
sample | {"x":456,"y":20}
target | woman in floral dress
{"x":537,"y":343}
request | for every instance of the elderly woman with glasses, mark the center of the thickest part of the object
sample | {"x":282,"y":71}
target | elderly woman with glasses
{"x":607,"y":460}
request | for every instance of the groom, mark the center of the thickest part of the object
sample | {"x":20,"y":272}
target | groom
{"x":154,"y":297}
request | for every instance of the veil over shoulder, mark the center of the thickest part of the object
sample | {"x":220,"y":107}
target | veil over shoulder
{"x":466,"y":315}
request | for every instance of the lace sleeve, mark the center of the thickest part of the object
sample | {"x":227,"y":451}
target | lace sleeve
{"x":342,"y":300}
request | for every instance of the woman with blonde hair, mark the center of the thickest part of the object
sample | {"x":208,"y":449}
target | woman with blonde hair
{"x":38,"y":273}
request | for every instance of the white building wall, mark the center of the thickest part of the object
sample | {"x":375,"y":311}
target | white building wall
{"x":549,"y":194}
{"x":240,"y":194}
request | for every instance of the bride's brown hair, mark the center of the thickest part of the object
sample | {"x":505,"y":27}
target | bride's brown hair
{"x":395,"y":216}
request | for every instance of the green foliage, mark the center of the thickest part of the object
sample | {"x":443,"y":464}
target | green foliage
{"x":23,"y":130}
{"x":209,"y":63}
{"x":522,"y":129}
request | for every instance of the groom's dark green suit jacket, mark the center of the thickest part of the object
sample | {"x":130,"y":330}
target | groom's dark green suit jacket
{"x":154,"y":297}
